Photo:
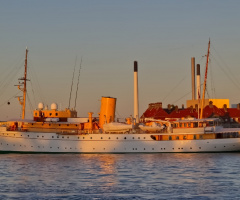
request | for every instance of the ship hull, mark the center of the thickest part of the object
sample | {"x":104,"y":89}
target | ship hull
{"x":108,"y":143}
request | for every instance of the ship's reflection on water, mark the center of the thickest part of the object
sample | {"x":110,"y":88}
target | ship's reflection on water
{"x":119,"y":176}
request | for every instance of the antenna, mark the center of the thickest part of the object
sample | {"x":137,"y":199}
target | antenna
{"x":72,"y":81}
{"x":78,"y":83}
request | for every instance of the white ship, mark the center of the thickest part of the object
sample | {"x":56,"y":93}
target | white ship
{"x":56,"y":131}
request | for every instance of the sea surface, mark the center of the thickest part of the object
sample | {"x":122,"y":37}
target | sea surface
{"x":120,"y":176}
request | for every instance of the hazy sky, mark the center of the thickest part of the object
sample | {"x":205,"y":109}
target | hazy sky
{"x":109,"y":35}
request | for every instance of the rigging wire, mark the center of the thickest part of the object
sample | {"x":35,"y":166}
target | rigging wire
{"x":78,"y":83}
{"x":237,"y":85}
{"x":72,"y":82}
{"x":171,"y":91}
{"x":34,"y":98}
{"x":30,"y":104}
{"x":35,"y":83}
{"x":182,"y":97}
{"x":212,"y":80}
{"x":229,"y":69}
{"x":10,"y":69}
{"x":14,"y":96}
{"x":10,"y":77}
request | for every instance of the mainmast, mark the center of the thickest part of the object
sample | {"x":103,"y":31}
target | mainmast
{"x":22,"y":101}
{"x":205,"y":81}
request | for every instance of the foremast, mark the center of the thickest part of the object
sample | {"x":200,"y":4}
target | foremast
{"x":22,"y":100}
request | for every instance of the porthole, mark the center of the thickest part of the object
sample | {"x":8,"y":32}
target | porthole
{"x":199,"y":147}
{"x":62,"y":136}
{"x":117,"y":138}
{"x":83,"y":137}
{"x":101,"y":138}
{"x":152,"y":148}
{"x":52,"y":136}
{"x":109,"y":138}
{"x":78,"y":137}
{"x":90,"y":137}
{"x":57,"y":136}
{"x":125,"y":138}
{"x":139,"y":138}
{"x":133,"y":138}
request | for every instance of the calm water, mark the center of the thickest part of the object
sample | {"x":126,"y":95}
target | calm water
{"x":120,"y":176}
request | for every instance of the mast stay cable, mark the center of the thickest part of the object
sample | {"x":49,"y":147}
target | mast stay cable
{"x":78,"y":83}
{"x":72,"y":82}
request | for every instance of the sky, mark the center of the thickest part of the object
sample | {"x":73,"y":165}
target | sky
{"x":105,"y":38}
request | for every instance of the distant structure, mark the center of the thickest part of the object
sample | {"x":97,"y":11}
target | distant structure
{"x":212,"y":108}
{"x":172,"y":112}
